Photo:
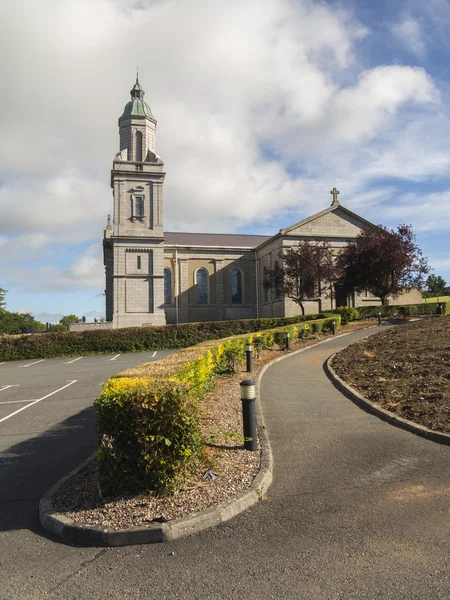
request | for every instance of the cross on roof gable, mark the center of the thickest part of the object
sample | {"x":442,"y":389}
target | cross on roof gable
{"x":334,"y":207}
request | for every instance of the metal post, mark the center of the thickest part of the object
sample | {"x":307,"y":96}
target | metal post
{"x":249,"y":357}
{"x":288,"y":340}
{"x":248,"y":398}
{"x":379,"y":318}
{"x":333,"y":327}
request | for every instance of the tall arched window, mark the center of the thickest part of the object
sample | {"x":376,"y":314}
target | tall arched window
{"x":138,"y":146}
{"x":277,"y":288}
{"x":236,"y":286}
{"x":201,"y":286}
{"x":167,"y":286}
{"x":265,"y":292}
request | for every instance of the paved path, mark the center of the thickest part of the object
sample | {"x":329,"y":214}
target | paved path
{"x":358,"y":510}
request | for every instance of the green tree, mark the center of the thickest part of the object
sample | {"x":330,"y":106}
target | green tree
{"x":67,"y":320}
{"x":2,"y":299}
{"x":306,"y":274}
{"x":384,"y":262}
{"x":19,"y":323}
{"x":435,"y":286}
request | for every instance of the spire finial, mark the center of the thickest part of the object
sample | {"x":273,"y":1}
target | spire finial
{"x":335,"y":193}
{"x":137,"y":74}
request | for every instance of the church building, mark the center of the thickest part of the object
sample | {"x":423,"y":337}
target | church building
{"x":154,"y":277}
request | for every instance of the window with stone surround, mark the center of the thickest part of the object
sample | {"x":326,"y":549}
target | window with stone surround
{"x":201,"y":286}
{"x":139,"y":206}
{"x":138,"y":146}
{"x":277,"y":290}
{"x":237,"y":295}
{"x":265,"y":292}
{"x":167,"y":286}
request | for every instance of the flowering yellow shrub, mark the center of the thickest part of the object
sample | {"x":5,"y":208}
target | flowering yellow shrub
{"x":148,"y":428}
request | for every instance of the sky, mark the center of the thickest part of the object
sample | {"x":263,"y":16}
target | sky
{"x":263,"y":106}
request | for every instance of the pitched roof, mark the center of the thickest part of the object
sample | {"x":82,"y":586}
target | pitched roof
{"x":215,"y":240}
{"x":332,"y":208}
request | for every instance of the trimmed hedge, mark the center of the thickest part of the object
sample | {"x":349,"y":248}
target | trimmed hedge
{"x":147,"y":418}
{"x":403,"y":310}
{"x":133,"y":339}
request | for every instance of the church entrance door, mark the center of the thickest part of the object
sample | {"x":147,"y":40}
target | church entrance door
{"x":340,"y":295}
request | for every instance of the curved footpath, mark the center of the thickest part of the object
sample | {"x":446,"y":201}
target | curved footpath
{"x":358,"y":509}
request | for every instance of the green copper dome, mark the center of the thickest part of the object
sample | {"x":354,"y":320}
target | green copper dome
{"x":136,"y":107}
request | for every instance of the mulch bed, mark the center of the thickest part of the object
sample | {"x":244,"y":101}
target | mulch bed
{"x":405,"y":370}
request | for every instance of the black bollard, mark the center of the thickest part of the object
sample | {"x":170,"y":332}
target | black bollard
{"x":249,"y":357}
{"x":248,"y":398}
{"x":379,"y":318}
{"x":288,"y":340}
{"x":333,"y":327}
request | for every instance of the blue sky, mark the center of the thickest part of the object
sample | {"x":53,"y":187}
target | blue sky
{"x":262,"y":107}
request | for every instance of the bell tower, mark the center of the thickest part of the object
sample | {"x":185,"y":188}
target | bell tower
{"x":133,"y":245}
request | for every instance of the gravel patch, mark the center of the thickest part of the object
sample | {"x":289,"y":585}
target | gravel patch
{"x":228,"y":470}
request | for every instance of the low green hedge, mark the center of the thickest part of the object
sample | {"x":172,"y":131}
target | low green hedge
{"x":132,"y":339}
{"x":147,"y":418}
{"x":403,"y":310}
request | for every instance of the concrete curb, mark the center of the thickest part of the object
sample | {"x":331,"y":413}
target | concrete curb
{"x":87,"y":535}
{"x":382,"y":413}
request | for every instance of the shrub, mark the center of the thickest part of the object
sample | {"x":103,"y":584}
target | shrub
{"x":147,"y":418}
{"x":148,"y":435}
{"x":316,"y":328}
{"x":280,"y":338}
{"x":430,"y":308}
{"x":134,"y":339}
{"x":347,"y":313}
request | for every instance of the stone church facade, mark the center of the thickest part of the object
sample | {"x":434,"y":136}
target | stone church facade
{"x":155,"y":277}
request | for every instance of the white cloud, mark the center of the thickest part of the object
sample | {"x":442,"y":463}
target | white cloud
{"x":231,"y":84}
{"x":427,"y":212}
{"x":86,"y":272}
{"x":409,"y":32}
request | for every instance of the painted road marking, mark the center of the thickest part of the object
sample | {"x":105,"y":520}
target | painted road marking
{"x":2,"y":363}
{"x":117,"y":355}
{"x":30,"y":364}
{"x":5,"y":387}
{"x":38,"y":400}
{"x":154,"y":354}
{"x":14,"y":401}
{"x":72,"y":361}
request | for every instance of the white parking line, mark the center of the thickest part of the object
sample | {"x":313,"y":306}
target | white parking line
{"x":30,"y":364}
{"x":38,"y":400}
{"x":72,"y":361}
{"x":15,"y":401}
{"x":5,"y":387}
{"x":154,"y":354}
{"x":115,"y":357}
{"x":2,"y":363}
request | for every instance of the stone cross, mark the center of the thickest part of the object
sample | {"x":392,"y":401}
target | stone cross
{"x":335,"y":193}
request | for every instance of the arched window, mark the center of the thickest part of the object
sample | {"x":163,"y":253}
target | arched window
{"x":277,"y":288}
{"x":138,"y":146}
{"x":201,"y":286}
{"x":236,"y":286}
{"x":167,"y":286}
{"x":265,"y":292}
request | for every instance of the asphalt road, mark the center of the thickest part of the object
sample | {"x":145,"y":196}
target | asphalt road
{"x":358,"y":509}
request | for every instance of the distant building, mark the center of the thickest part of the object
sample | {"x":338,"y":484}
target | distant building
{"x":155,"y":277}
